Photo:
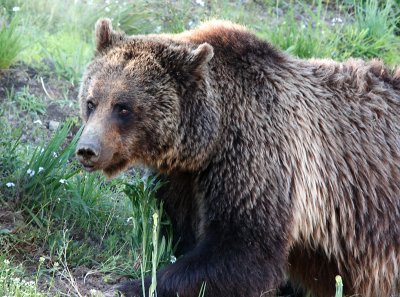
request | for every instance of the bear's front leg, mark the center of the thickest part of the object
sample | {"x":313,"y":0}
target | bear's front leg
{"x":133,"y":288}
{"x":228,"y":265}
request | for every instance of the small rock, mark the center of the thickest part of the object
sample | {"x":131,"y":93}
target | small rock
{"x":53,"y":125}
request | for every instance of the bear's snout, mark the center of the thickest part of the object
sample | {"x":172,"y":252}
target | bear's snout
{"x":88,"y":153}
{"x":88,"y":149}
{"x":96,"y":146}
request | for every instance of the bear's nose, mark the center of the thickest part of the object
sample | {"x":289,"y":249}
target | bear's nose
{"x":87,"y":152}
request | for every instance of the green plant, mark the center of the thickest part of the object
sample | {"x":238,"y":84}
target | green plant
{"x":303,"y":38}
{"x":8,"y":156}
{"x":339,"y":286}
{"x":13,"y":283}
{"x":54,"y":192}
{"x":10,"y":42}
{"x":46,"y":172}
{"x":146,"y":213}
{"x":69,"y":54}
{"x":372,"y":34}
{"x":29,"y":102}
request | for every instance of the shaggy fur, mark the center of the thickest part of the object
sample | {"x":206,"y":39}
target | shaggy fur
{"x":277,"y":167}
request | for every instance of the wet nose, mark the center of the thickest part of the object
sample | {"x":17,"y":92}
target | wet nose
{"x":88,"y":152}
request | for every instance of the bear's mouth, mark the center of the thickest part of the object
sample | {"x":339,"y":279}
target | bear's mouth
{"x":89,"y":168}
{"x":111,"y":168}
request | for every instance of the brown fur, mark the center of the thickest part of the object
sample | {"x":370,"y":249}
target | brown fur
{"x":276,"y":166}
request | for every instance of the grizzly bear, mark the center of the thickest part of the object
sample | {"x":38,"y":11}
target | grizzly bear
{"x":277,"y":168}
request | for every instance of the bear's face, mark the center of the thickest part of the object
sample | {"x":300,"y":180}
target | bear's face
{"x":130,"y":99}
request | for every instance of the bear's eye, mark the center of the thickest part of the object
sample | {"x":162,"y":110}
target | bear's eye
{"x":90,"y":106}
{"x":122,"y":110}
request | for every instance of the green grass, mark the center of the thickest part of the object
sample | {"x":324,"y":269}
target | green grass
{"x":10,"y":42}
{"x":372,"y":34}
{"x":26,"y":101}
{"x":13,"y":283}
{"x":80,"y":218}
{"x":147,"y":219}
{"x":302,"y":39}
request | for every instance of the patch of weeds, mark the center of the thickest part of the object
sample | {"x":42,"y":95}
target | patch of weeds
{"x":10,"y":42}
{"x":303,"y":38}
{"x":47,"y":173}
{"x":147,"y":221}
{"x":372,"y":34}
{"x":8,"y":153}
{"x":67,"y":101}
{"x":64,"y":207}
{"x":246,"y":13}
{"x":68,"y":53}
{"x":136,"y":17}
{"x":13,"y":283}
{"x":176,"y":19}
{"x":27,"y":101}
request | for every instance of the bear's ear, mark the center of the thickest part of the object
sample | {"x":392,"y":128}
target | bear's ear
{"x":105,"y":35}
{"x":186,"y":65}
{"x":197,"y":59}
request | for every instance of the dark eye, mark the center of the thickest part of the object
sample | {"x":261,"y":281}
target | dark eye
{"x":122,"y":110}
{"x":90,"y":106}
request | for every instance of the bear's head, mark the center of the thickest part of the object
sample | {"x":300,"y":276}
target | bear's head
{"x":132,"y":100}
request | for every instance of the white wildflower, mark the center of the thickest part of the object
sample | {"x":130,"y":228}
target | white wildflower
{"x":63,"y":181}
{"x":30,"y":172}
{"x":10,"y":185}
{"x":7,"y":262}
{"x":40,"y":169}
{"x":41,"y":260}
{"x":336,"y":21}
{"x":173,"y":259}
{"x":16,"y":8}
{"x":55,"y":155}
{"x":200,"y":2}
{"x":56,"y":265}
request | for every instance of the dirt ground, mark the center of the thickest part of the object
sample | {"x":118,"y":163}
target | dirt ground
{"x":59,"y":96}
